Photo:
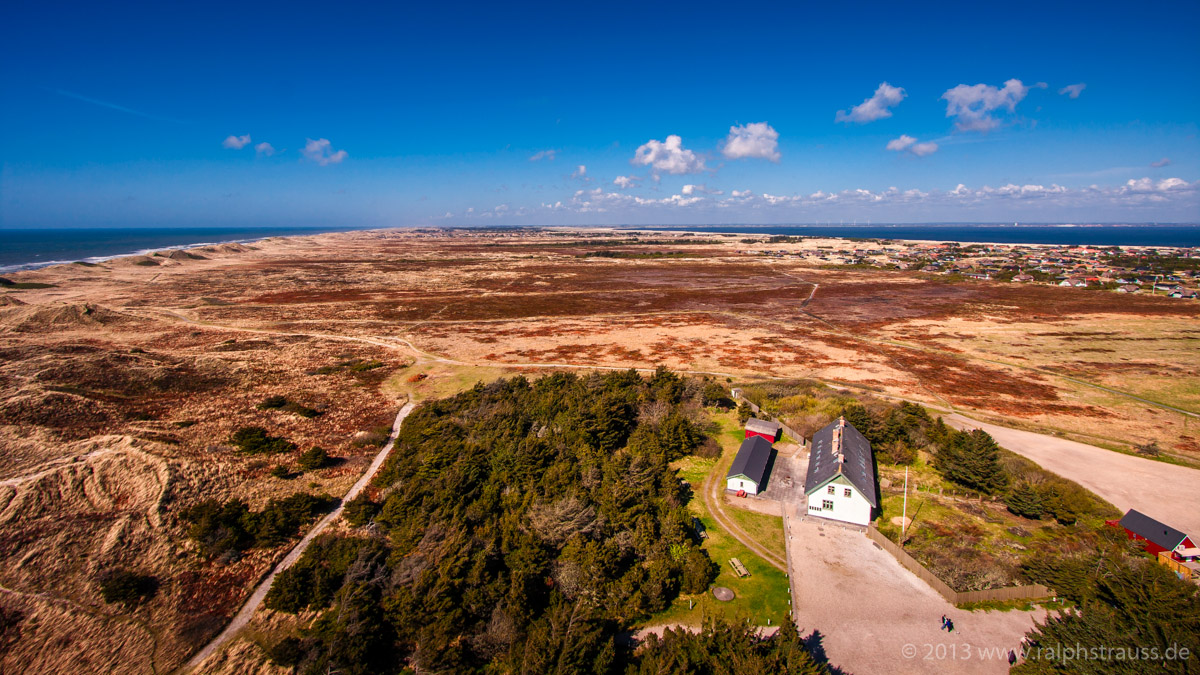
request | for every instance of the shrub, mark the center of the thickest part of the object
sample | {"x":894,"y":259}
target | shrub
{"x":280,"y":471}
{"x":231,"y":527}
{"x":1026,"y":501}
{"x":118,"y":585}
{"x":287,"y":652}
{"x":273,"y":402}
{"x":360,"y":510}
{"x":256,"y":441}
{"x":313,"y":459}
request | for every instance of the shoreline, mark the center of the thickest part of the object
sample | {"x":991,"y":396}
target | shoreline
{"x":764,"y":230}
{"x":97,"y":259}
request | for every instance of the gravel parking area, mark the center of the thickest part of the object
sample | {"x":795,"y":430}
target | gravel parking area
{"x":874,"y":616}
{"x":1163,"y":491}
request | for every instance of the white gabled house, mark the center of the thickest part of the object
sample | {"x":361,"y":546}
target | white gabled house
{"x":749,"y":469}
{"x":840,"y":484}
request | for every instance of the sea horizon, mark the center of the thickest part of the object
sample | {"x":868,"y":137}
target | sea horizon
{"x":33,"y":248}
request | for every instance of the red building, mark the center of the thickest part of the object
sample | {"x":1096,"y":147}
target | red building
{"x":1158,"y":537}
{"x":772,"y":431}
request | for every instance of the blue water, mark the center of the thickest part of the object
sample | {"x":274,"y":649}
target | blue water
{"x":28,"y":248}
{"x":1110,"y":235}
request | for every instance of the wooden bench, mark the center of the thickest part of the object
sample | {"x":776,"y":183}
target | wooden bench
{"x":738,"y":568}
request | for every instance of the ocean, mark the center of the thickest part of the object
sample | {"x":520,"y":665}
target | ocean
{"x":1108,"y":235}
{"x":31,"y":248}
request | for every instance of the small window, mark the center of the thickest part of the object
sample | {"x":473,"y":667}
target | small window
{"x":847,"y":492}
{"x":827,"y":504}
{"x":831,"y":489}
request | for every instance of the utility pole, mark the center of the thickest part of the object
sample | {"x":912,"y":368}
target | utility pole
{"x":904,"y":515}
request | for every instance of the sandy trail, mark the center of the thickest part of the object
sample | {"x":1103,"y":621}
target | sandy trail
{"x":260,"y":593}
{"x":1167,"y":492}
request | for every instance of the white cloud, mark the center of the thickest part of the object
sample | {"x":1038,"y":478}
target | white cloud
{"x":321,"y":151}
{"x":1161,"y":163}
{"x":580,"y":172}
{"x":236,"y":142}
{"x":265,"y":149}
{"x":906,"y":142}
{"x":1073,"y":90}
{"x":874,"y":108}
{"x":973,"y":105}
{"x":547,"y":155}
{"x":668,"y":157}
{"x":625,"y":182}
{"x":755,"y":140}
{"x":699,"y":189}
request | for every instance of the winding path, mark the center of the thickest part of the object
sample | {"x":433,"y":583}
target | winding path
{"x":260,"y":593}
{"x":712,"y":500}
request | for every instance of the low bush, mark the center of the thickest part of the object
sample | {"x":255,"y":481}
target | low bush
{"x":360,"y":510}
{"x":221,"y":528}
{"x":256,"y":441}
{"x":119,"y":585}
{"x":283,"y":403}
{"x":313,"y":459}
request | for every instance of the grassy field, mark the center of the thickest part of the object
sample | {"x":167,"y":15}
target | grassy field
{"x":440,"y":379}
{"x":760,"y":597}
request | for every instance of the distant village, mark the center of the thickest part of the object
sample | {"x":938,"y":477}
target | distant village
{"x":1167,"y":271}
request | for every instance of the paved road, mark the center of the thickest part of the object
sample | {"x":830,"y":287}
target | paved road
{"x":1163,"y":491}
{"x":244,"y":615}
{"x":874,"y":616}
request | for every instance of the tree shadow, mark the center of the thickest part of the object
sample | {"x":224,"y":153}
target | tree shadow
{"x":814,"y":643}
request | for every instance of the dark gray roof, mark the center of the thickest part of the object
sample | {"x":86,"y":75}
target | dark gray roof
{"x":763,"y":426}
{"x":752,"y":459}
{"x":1148,"y":528}
{"x":858,"y":467}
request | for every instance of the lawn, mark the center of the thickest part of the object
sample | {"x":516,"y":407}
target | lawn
{"x":441,"y":379}
{"x":760,"y":597}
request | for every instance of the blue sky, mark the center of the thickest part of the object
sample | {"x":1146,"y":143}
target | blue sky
{"x":398,"y":115}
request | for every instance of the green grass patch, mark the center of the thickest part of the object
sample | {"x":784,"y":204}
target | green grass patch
{"x":763,"y":595}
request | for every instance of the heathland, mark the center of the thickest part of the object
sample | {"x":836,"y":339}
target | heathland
{"x":161,"y":415}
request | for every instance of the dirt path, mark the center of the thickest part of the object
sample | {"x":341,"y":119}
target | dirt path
{"x":1167,"y":492}
{"x":260,"y":593}
{"x":712,"y":500}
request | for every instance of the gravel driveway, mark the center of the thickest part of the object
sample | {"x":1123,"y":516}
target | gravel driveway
{"x":1162,"y":491}
{"x":874,"y":616}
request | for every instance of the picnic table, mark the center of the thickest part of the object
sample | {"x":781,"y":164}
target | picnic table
{"x":738,"y":568}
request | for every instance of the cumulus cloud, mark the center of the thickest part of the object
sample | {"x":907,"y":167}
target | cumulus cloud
{"x":236,"y":142}
{"x":699,"y":189}
{"x":1136,"y":193}
{"x":757,"y":140}
{"x":906,"y":142}
{"x":579,"y":172}
{"x":625,"y":182}
{"x":668,"y":157}
{"x":321,"y":151}
{"x":1161,"y":163}
{"x":874,"y":108}
{"x":972,"y":105}
{"x":1073,"y":90}
{"x":547,"y":155}
{"x":265,"y":149}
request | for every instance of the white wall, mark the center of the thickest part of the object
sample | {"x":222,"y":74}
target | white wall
{"x":739,"y":483}
{"x":853,"y":509}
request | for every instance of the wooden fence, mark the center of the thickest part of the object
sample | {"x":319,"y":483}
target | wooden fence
{"x":1031,"y":592}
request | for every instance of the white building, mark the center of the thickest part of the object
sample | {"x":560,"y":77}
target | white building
{"x":841,"y":475}
{"x":749,"y":469}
